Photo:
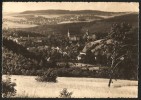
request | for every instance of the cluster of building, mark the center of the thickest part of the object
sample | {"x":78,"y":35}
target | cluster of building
{"x":35,"y":40}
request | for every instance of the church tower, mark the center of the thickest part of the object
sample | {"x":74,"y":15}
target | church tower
{"x":68,"y":34}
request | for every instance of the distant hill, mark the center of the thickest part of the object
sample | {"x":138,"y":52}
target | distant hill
{"x":101,"y":26}
{"x":70,"y":12}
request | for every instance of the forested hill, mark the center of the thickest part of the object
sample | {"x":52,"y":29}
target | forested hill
{"x":105,"y":24}
{"x":19,"y":49}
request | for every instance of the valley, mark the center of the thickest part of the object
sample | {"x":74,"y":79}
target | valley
{"x":92,"y":53}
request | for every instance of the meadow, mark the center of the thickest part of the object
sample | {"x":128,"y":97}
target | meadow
{"x":27,"y":86}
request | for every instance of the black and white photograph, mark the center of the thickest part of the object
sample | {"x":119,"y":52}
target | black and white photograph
{"x":70,"y":49}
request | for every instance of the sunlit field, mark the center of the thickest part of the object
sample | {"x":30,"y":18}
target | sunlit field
{"x":27,"y":86}
{"x":16,"y":25}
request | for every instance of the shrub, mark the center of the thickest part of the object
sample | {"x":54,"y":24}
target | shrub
{"x":48,"y":76}
{"x":65,"y":94}
{"x":8,"y":88}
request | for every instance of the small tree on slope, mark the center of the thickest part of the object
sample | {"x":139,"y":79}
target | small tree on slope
{"x":123,"y":49}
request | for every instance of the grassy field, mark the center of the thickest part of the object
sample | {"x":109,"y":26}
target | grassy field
{"x":27,"y":86}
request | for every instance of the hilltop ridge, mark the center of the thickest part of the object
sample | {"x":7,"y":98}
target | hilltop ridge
{"x":69,"y":12}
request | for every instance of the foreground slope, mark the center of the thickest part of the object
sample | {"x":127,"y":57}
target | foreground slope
{"x":81,"y":87}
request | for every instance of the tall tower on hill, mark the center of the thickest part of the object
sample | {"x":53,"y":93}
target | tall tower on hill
{"x":87,"y":32}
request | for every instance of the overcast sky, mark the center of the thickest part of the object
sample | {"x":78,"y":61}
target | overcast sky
{"x":103,"y":6}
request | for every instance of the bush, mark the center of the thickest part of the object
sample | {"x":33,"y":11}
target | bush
{"x":8,"y":88}
{"x":48,"y":76}
{"x":65,"y":94}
